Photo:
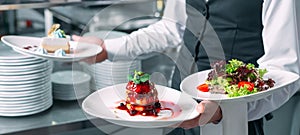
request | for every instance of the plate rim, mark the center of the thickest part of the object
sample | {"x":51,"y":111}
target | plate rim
{"x":72,"y":57}
{"x":115,"y":120}
{"x":247,"y":98}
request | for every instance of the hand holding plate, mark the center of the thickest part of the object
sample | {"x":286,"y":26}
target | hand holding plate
{"x":93,"y":40}
{"x":210,"y":112}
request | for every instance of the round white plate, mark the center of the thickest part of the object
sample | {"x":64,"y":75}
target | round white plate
{"x":27,"y":98}
{"x":25,"y":72}
{"x":24,"y":77}
{"x":25,"y":102}
{"x":190,"y":83}
{"x":43,"y":64}
{"x":18,"y":88}
{"x":6,"y":94}
{"x":9,"y":63}
{"x":29,"y":104}
{"x":23,"y":107}
{"x":32,"y":88}
{"x":33,"y":81}
{"x":103,"y":103}
{"x":79,"y":50}
{"x":70,"y":77}
{"x":8,"y":54}
{"x":28,"y":112}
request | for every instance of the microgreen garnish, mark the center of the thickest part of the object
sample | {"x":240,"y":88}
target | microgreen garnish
{"x":139,"y":77}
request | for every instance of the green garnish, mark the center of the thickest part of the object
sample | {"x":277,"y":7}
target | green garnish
{"x":238,"y":78}
{"x":233,"y":65}
{"x":262,"y":72}
{"x":139,"y":77}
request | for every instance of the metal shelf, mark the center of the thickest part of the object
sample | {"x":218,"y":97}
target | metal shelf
{"x":47,"y":4}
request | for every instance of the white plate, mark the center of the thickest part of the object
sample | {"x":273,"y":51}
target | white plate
{"x":78,"y":50}
{"x":28,"y":112}
{"x":25,"y":102}
{"x":103,"y":103}
{"x":70,"y":77}
{"x":6,"y":107}
{"x":25,"y":72}
{"x":9,"y":83}
{"x":6,"y":94}
{"x":24,"y":77}
{"x":29,"y":104}
{"x":8,"y":54}
{"x":27,"y":89}
{"x":40,"y":65}
{"x":190,"y":83}
{"x":20,"y":63}
{"x":24,"y":86}
{"x":27,"y":98}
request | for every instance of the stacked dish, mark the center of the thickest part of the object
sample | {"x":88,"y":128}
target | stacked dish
{"x":25,"y":87}
{"x":109,"y":73}
{"x":70,"y":85}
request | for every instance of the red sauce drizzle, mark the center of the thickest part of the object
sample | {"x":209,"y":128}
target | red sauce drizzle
{"x":27,"y":47}
{"x":147,"y":111}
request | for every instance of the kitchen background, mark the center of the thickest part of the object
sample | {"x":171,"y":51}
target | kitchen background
{"x":33,"y":17}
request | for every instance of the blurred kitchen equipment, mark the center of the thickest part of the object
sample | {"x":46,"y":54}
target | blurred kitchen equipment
{"x":25,"y":86}
{"x":125,"y":17}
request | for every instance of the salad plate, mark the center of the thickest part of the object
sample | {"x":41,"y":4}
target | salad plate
{"x":103,"y":104}
{"x":190,"y":83}
{"x":79,"y":50}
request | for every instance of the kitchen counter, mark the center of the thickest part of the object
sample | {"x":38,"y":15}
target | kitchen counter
{"x":61,"y":113}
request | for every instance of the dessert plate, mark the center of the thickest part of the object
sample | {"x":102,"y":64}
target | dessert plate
{"x":190,"y":83}
{"x":103,"y":103}
{"x":79,"y":50}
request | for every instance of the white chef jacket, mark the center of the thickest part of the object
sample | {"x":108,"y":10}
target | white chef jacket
{"x":280,"y":37}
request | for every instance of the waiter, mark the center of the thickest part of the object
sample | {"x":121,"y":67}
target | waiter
{"x":259,"y":32}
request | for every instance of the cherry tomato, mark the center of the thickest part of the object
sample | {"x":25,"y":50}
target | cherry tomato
{"x":203,"y":87}
{"x":249,"y":85}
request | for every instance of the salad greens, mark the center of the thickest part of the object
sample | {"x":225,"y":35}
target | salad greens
{"x":236,"y":78}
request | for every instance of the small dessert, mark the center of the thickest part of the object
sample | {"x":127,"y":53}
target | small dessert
{"x":56,"y":40}
{"x":141,"y":96}
{"x":235,"y":78}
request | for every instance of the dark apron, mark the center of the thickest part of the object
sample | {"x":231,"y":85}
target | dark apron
{"x":238,"y":26}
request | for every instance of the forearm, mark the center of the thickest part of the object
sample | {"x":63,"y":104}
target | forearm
{"x":157,"y":37}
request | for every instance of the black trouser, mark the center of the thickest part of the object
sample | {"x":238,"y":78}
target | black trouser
{"x":254,"y":128}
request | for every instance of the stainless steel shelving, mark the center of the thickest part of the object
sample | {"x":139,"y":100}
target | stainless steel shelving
{"x":47,"y":4}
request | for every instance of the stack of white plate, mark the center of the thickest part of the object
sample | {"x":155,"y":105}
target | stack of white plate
{"x":70,"y":85}
{"x":25,"y":86}
{"x":109,"y":73}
